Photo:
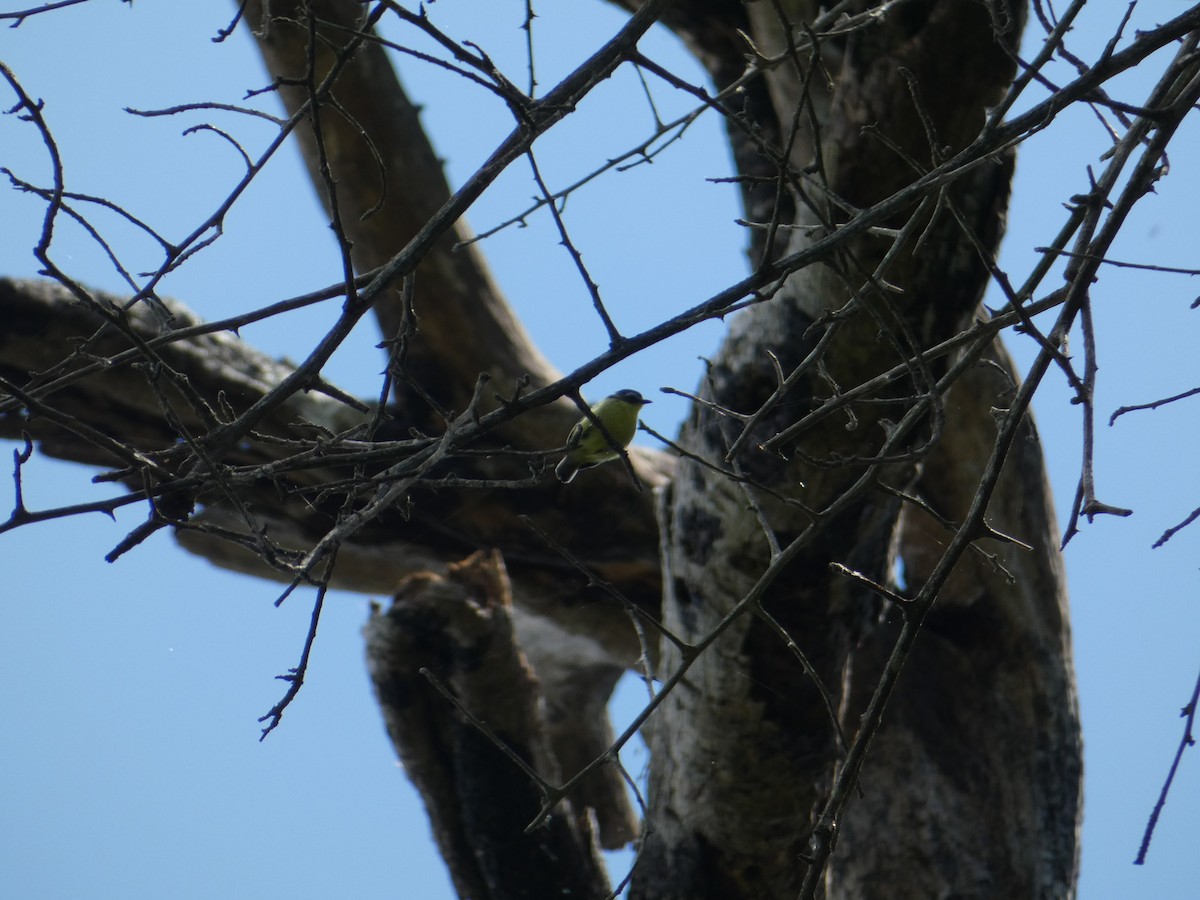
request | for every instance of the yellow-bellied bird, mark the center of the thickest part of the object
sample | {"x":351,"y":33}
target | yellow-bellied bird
{"x":588,"y":446}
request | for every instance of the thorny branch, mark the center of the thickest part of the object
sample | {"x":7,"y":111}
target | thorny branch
{"x":1188,"y":714}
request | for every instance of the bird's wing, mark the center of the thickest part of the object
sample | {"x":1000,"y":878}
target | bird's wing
{"x":576,"y":434}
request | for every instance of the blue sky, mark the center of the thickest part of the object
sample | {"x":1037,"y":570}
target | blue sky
{"x":129,"y":759}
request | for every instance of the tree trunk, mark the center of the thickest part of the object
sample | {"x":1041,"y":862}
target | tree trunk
{"x":744,"y":751}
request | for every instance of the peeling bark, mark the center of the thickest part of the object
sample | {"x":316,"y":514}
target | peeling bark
{"x":456,"y":631}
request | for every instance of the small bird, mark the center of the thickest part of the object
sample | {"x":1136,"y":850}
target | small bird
{"x":588,"y":446}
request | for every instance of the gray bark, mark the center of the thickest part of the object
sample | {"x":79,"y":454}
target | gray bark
{"x":744,"y":751}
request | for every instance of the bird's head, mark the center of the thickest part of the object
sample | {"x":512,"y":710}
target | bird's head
{"x":631,"y":397}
